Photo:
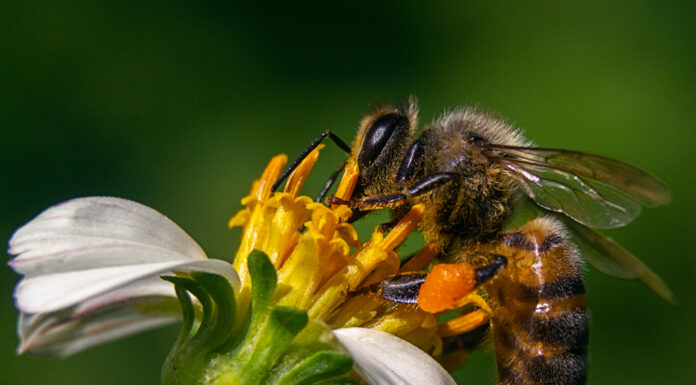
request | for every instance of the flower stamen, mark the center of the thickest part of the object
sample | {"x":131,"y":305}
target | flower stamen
{"x":348,"y":182}
{"x":422,"y":258}
{"x":317,"y":271}
{"x":402,"y":229}
{"x":299,"y":176}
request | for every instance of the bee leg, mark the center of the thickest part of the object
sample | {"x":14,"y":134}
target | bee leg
{"x":330,"y":182}
{"x":409,"y":288}
{"x":402,"y":288}
{"x":384,"y":227}
{"x":372,"y":202}
{"x":375,"y":202}
{"x":339,"y":142}
{"x":473,"y":319}
{"x":450,"y":286}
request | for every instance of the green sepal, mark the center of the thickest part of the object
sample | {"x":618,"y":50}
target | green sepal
{"x":262,"y":348}
{"x":273,"y":346}
{"x":263,"y":284}
{"x":192,"y":351}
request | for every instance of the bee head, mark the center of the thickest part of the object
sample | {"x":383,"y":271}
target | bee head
{"x":382,"y":141}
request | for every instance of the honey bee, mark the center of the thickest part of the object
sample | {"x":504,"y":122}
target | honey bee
{"x":471,"y":172}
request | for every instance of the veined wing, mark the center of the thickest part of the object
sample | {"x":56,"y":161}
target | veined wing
{"x":596,"y":191}
{"x":610,"y":258}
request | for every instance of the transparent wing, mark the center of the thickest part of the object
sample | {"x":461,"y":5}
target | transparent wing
{"x":596,"y":191}
{"x":610,"y":258}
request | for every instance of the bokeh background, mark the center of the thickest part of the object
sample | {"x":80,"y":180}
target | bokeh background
{"x":179,"y":105}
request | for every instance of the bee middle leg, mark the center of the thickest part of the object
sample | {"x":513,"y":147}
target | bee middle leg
{"x":330,"y":182}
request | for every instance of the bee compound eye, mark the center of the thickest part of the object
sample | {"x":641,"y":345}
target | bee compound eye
{"x":377,"y":136}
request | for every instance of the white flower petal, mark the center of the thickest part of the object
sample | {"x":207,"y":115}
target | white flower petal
{"x":384,"y":359}
{"x":52,"y":292}
{"x":95,"y":232}
{"x":66,"y":337}
{"x":140,"y":305}
{"x":84,"y":247}
{"x":92,"y":268}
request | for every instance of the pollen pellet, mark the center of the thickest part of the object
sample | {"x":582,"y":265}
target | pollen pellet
{"x":445,"y":287}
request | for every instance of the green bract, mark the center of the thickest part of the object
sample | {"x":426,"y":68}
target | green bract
{"x":273,"y":344}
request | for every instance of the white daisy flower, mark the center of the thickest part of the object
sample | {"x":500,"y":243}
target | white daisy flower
{"x":92,"y":271}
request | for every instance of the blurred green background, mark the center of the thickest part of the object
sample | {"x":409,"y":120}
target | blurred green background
{"x":180,"y":105}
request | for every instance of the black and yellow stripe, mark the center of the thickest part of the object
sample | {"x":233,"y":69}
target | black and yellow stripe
{"x":540,"y":322}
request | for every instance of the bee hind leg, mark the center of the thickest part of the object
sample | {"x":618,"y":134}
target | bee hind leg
{"x":451,"y":286}
{"x":402,"y":288}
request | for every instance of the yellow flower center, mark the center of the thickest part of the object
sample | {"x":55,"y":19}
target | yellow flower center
{"x":321,"y":268}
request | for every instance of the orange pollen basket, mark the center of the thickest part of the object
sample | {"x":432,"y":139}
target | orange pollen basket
{"x":445,"y":287}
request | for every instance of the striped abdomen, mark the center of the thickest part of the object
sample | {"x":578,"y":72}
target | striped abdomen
{"x":540,"y":322}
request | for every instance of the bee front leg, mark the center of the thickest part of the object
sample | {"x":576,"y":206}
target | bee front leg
{"x":374,"y":202}
{"x":326,"y":134}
